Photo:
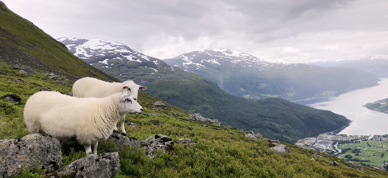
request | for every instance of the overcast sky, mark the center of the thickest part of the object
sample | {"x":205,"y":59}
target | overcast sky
{"x":273,"y":30}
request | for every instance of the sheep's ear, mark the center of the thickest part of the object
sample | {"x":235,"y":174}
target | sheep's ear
{"x":142,"y":87}
{"x":124,"y":94}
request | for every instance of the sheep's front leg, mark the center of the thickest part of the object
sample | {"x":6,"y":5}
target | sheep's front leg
{"x":115,"y":128}
{"x":122,"y":120}
{"x":95,"y":148}
{"x":88,"y":149}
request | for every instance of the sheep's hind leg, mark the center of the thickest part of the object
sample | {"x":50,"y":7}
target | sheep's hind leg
{"x":95,"y":148}
{"x":88,"y":149}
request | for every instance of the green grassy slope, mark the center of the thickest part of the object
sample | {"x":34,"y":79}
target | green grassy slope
{"x":215,"y":153}
{"x":273,"y":117}
{"x":24,"y":43}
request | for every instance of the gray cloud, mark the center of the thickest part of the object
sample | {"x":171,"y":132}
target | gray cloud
{"x":280,"y":30}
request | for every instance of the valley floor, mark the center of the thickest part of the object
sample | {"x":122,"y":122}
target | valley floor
{"x":363,"y":149}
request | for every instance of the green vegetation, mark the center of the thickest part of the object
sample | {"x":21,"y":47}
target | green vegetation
{"x":272,"y":117}
{"x":215,"y":153}
{"x":366,"y":152}
{"x":381,"y":106}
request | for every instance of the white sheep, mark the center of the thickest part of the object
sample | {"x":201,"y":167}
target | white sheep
{"x":91,"y":87}
{"x":87,"y":120}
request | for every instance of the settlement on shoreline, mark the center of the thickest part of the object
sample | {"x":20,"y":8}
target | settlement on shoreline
{"x":364,"y":149}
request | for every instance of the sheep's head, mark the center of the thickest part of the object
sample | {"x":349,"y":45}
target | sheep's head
{"x":133,"y":88}
{"x":128,"y":104}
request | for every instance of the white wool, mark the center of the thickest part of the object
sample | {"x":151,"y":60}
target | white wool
{"x":88,"y":120}
{"x":91,"y":87}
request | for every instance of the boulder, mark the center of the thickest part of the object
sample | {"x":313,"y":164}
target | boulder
{"x":160,"y":104}
{"x":155,"y":142}
{"x":119,"y":139}
{"x":335,"y":163}
{"x":29,"y":152}
{"x":184,"y":140}
{"x":26,"y":70}
{"x":198,"y":117}
{"x":12,"y":98}
{"x":280,"y":148}
{"x":251,"y":136}
{"x":101,"y":165}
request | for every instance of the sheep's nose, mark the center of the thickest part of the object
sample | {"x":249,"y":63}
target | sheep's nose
{"x":141,"y":110}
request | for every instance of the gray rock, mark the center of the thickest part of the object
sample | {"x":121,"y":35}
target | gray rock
{"x":280,"y":148}
{"x":335,"y":163}
{"x":102,"y":165}
{"x":3,"y":73}
{"x":120,"y":139}
{"x":184,"y":140}
{"x":151,"y":114}
{"x":20,"y":80}
{"x":29,"y":152}
{"x":131,"y":124}
{"x":160,"y":104}
{"x":45,"y":89}
{"x":198,"y":117}
{"x":155,"y":142}
{"x":26,"y":70}
{"x":258,"y":135}
{"x":12,"y":98}
{"x":379,"y":168}
{"x":275,"y":142}
{"x":356,"y":166}
{"x":251,"y":136}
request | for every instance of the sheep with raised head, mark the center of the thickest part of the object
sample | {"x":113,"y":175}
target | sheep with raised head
{"x":91,"y":87}
{"x":87,"y":120}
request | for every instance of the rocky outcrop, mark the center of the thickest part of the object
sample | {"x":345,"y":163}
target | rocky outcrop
{"x":12,"y":98}
{"x":120,"y":139}
{"x":29,"y":152}
{"x":155,"y":142}
{"x":26,"y":70}
{"x":102,"y":165}
{"x":279,"y":148}
{"x":160,"y":104}
{"x":199,"y":118}
{"x":335,"y":163}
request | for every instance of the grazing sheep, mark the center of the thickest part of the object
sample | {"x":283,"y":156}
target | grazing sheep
{"x":87,"y":120}
{"x":91,"y":87}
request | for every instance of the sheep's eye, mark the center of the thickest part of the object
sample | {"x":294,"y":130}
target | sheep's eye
{"x":129,"y":100}
{"x":135,"y":99}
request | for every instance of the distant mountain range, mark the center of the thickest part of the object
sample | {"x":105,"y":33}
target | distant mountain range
{"x":373,"y":64}
{"x":244,"y":75}
{"x":272,"y":117}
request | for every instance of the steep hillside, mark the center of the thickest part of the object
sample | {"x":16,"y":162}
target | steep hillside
{"x":225,"y":151}
{"x":242,"y":74}
{"x":277,"y":119}
{"x":25,"y":44}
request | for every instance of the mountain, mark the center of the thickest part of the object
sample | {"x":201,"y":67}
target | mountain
{"x":274,"y":118}
{"x":372,"y":64}
{"x":244,"y":75}
{"x":214,"y":151}
{"x":23,"y":43}
{"x":117,"y":59}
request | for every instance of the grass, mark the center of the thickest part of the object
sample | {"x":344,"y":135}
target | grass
{"x":375,"y":154}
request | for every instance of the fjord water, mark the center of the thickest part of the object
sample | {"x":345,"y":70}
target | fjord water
{"x":350,"y":105}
